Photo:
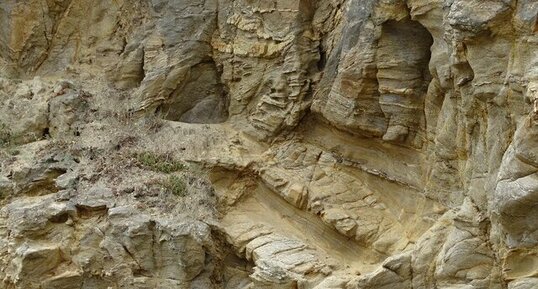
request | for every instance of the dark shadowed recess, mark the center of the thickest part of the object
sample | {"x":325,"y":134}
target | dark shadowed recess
{"x":202,"y":98}
{"x":403,"y":76}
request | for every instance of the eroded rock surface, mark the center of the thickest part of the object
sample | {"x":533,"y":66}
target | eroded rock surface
{"x":354,"y":144}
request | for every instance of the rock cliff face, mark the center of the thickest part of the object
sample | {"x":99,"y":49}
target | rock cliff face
{"x":313,"y":144}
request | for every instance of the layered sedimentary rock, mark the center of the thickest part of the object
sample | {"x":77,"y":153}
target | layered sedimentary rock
{"x":324,"y":144}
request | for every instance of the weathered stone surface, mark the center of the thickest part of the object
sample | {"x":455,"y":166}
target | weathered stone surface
{"x":61,"y":244}
{"x":331,"y":144}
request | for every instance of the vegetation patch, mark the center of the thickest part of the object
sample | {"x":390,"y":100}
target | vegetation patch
{"x":158,"y":163}
{"x":175,"y":185}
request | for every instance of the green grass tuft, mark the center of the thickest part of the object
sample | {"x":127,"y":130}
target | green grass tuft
{"x":158,"y":163}
{"x":176,"y":186}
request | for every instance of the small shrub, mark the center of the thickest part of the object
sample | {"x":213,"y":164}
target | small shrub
{"x":158,"y":163}
{"x":175,"y":185}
